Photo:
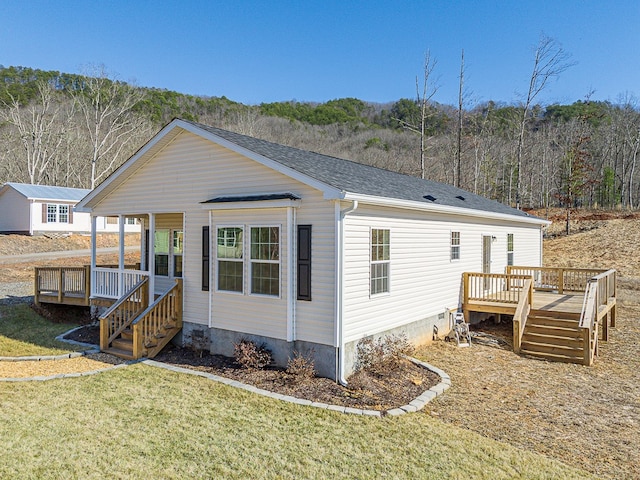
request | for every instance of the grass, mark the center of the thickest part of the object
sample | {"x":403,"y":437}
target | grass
{"x":23,"y":333}
{"x":144,"y":422}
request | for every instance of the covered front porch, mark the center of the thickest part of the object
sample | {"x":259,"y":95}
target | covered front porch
{"x":144,"y":300}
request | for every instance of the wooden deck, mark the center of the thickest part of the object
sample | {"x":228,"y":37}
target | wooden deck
{"x":558,"y":313}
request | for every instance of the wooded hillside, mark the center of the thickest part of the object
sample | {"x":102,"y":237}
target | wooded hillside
{"x":73,"y":130}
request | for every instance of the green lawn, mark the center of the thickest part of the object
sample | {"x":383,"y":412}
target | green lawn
{"x":23,"y":333}
{"x":145,"y":422}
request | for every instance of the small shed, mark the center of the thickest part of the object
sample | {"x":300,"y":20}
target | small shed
{"x":39,"y":209}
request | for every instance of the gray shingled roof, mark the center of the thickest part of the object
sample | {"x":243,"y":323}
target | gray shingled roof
{"x":47,"y":192}
{"x":353,"y":177}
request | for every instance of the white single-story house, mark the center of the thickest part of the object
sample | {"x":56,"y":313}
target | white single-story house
{"x":38,"y":209}
{"x":301,"y":251}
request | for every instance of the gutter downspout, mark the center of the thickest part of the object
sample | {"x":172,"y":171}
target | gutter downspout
{"x":340,"y":215}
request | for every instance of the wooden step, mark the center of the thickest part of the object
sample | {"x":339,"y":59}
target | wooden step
{"x":554,"y":357}
{"x":554,"y":340}
{"x":127,"y":355}
{"x":123,"y":344}
{"x":544,"y":348}
{"x":540,"y":320}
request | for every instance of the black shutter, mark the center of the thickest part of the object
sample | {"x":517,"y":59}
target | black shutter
{"x":205,"y":258}
{"x":304,"y":262}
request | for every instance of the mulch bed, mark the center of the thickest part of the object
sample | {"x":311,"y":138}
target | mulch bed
{"x":382,"y":391}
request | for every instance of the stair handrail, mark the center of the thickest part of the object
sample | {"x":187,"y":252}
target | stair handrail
{"x":522,"y":313}
{"x":110,"y":327}
{"x":148,"y":323}
{"x":600,"y":289}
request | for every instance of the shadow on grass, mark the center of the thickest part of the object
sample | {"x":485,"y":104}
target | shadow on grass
{"x":24,"y":332}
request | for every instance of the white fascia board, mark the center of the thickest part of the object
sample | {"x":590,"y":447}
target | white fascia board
{"x":328,"y":191}
{"x":251,"y":204}
{"x":446,"y":209}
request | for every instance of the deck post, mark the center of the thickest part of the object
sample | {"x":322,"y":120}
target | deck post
{"x":561,"y":281}
{"x":87,"y":283}
{"x":586,"y":342}
{"x":94,"y":228}
{"x":36,"y":288}
{"x":60,"y":284}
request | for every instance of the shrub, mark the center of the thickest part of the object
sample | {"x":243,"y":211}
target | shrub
{"x":249,"y":355}
{"x":383,"y":354}
{"x":301,"y":367}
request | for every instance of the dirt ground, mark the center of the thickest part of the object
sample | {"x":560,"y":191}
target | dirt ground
{"x":588,"y":417}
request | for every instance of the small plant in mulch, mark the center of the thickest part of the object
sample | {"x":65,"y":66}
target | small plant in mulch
{"x":383,"y":355}
{"x":301,"y":368}
{"x":249,"y":354}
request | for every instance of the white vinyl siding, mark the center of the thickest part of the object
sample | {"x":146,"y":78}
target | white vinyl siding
{"x":425,"y":281}
{"x":190,"y":170}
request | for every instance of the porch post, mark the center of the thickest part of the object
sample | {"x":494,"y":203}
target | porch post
{"x":121,"y":288}
{"x":152,"y":258}
{"x":94,"y":225}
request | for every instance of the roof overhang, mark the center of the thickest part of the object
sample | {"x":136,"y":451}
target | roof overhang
{"x":166,"y":136}
{"x":443,"y":209}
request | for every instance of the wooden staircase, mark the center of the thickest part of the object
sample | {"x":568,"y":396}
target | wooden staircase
{"x":553,"y":338}
{"x":131,"y":331}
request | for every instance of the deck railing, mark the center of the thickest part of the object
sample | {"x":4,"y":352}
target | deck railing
{"x":493,"y":287}
{"x":114,"y":282}
{"x":122,"y":313}
{"x":150,"y":328}
{"x":557,"y":279}
{"x":62,"y":285}
{"x":522,"y":313}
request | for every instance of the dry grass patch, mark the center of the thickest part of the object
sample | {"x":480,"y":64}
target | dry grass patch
{"x":144,"y":422}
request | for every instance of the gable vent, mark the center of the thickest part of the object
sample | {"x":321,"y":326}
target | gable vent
{"x":460,"y":197}
{"x":431,"y":198}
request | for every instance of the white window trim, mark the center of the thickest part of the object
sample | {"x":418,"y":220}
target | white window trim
{"x":214,"y":243}
{"x":512,"y":251}
{"x":451,"y":245}
{"x":379,"y":262}
{"x":56,"y":215}
{"x":250,"y":261}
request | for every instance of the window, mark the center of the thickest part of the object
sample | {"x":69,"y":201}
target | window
{"x":54,"y":213}
{"x":509,"y":248}
{"x":178,"y":238}
{"x":131,"y":221}
{"x":265,"y":260}
{"x":161,"y":251}
{"x":380,"y":255}
{"x":230,"y":259}
{"x":455,"y":245}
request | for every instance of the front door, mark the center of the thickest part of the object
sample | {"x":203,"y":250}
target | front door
{"x":486,"y":259}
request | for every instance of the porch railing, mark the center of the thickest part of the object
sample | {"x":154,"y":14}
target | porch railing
{"x":114,"y":282}
{"x":522,"y":313}
{"x":151,"y":327}
{"x":122,"y":313}
{"x":61,"y":285}
{"x":557,"y":279}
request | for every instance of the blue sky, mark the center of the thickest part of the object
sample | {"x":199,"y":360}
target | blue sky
{"x":266,"y":51}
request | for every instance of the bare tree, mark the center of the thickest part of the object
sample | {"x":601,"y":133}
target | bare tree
{"x":423,"y":98}
{"x":40,"y":128}
{"x":550,"y":60}
{"x":458,"y":176}
{"x":112,"y":125}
